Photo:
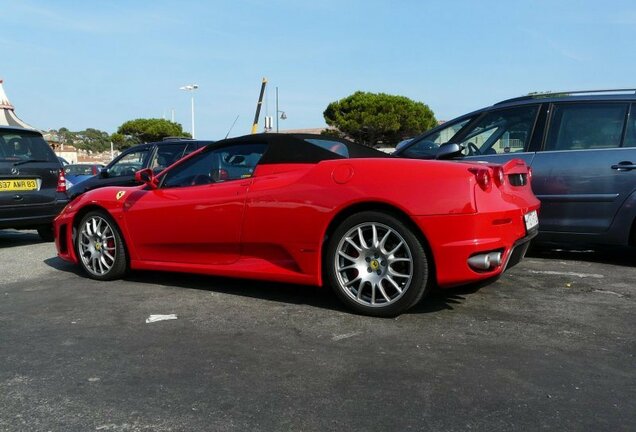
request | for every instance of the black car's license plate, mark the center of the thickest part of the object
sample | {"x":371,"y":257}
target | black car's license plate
{"x":18,"y":185}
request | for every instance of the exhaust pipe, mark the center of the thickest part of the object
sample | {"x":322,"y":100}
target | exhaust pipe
{"x":487,"y":261}
{"x":495,"y":259}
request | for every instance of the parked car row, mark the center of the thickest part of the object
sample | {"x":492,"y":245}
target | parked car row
{"x":311,"y":209}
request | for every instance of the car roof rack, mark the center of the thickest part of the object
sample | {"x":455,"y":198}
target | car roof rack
{"x":176,"y":138}
{"x":567,"y":93}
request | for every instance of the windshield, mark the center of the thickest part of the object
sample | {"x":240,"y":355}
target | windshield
{"x":426,"y":146}
{"x":17,"y":146}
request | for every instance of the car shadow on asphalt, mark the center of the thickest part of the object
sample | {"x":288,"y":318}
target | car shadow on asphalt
{"x":12,"y":238}
{"x":320,"y":297}
{"x":272,"y":291}
{"x":59,"y":264}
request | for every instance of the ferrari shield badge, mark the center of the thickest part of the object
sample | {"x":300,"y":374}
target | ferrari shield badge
{"x":120,"y":194}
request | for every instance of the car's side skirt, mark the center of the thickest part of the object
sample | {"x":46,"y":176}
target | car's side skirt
{"x":247,"y":268}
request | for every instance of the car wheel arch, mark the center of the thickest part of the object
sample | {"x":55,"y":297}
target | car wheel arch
{"x":344,"y":213}
{"x":632,"y":234}
{"x":94,"y":207}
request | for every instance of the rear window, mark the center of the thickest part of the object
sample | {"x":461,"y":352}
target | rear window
{"x":333,"y":146}
{"x":19,"y":146}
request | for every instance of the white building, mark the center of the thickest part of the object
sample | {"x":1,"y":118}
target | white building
{"x":7,"y":112}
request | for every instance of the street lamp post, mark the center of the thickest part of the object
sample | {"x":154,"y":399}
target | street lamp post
{"x":283,"y":116}
{"x":191,"y":88}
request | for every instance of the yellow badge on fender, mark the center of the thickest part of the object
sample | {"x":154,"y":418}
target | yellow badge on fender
{"x":120,"y":194}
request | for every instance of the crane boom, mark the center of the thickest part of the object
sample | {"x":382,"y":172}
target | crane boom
{"x":258,"y":106}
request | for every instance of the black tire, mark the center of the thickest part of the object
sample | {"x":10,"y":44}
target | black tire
{"x":116,"y":260}
{"x":410,"y":259}
{"x":46,"y":233}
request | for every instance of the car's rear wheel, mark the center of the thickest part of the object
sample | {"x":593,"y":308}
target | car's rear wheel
{"x":376,"y":264}
{"x":100,"y":247}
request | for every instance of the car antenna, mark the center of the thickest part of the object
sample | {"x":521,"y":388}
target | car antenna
{"x":230,"y":129}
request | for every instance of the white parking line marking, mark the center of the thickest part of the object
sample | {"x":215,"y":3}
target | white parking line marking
{"x":609,"y":292}
{"x":345,"y":336}
{"x":579,"y":275}
{"x":155,"y":318}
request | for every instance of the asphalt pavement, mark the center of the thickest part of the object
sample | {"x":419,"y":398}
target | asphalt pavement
{"x":549,"y":346}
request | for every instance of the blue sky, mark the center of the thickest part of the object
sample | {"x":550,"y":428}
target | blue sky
{"x":83,"y":64}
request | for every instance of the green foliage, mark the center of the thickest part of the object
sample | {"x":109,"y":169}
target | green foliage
{"x":149,"y":130}
{"x":130,"y":133}
{"x":89,"y":139}
{"x":374,"y":118}
{"x":122,"y":142}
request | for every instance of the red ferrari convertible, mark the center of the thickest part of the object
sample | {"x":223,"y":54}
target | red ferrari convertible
{"x":310,"y":209}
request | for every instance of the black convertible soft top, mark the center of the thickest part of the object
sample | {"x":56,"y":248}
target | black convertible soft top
{"x":302,"y":148}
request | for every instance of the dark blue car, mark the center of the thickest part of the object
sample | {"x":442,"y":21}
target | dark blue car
{"x":121,"y":170}
{"x":582,"y":150}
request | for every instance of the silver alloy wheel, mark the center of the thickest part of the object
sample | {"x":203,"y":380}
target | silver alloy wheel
{"x":374,"y":264}
{"x":97,"y":246}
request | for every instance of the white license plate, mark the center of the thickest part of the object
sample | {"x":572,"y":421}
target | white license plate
{"x":531,"y":219}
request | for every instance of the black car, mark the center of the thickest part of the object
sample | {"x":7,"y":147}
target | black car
{"x":32,"y":186}
{"x":121,"y":170}
{"x":582,"y":150}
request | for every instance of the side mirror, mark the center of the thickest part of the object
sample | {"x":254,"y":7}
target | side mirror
{"x":403,"y":143}
{"x":103,"y":172}
{"x":449,"y":151}
{"x":147,"y":177}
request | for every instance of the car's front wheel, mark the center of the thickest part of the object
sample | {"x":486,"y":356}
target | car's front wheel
{"x":376,"y":264}
{"x":100,"y":247}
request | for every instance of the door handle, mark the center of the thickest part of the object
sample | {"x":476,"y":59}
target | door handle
{"x":624,"y":166}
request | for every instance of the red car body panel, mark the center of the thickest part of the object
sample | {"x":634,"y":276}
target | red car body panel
{"x":274,"y":224}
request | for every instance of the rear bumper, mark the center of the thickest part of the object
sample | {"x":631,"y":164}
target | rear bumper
{"x":454,"y":239}
{"x":30,"y":216}
{"x":519,"y":249}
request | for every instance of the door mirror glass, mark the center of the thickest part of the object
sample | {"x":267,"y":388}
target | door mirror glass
{"x":147,"y":177}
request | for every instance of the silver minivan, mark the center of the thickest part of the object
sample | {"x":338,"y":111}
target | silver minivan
{"x":581,"y":147}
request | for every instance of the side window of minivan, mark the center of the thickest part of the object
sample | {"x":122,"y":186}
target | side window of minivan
{"x":630,"y":134}
{"x":581,"y":126}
